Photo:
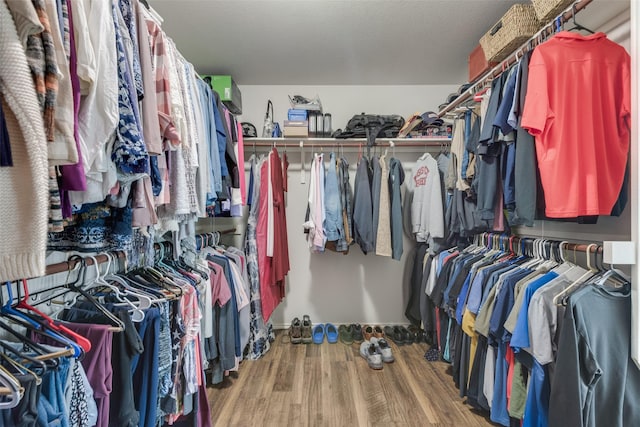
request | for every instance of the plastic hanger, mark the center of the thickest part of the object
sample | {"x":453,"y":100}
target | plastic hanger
{"x":23,"y":370}
{"x":576,"y":26}
{"x":137,"y":315}
{"x":115,"y":321}
{"x":34,"y":346}
{"x":38,"y":325}
{"x":14,"y":391}
{"x":83,"y":342}
{"x":559,"y":299}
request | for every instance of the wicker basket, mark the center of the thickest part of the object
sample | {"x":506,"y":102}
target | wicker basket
{"x":546,"y":10}
{"x":515,"y":27}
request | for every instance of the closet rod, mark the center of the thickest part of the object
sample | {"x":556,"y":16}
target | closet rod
{"x":513,"y":58}
{"x":71,"y":264}
{"x":6,"y":391}
{"x":568,"y":246}
{"x":344,"y":143}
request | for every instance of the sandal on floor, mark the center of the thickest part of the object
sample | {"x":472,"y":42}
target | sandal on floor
{"x":331,"y":332}
{"x":318,"y":333}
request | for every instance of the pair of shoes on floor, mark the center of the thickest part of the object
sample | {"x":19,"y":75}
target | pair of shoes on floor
{"x":328,"y":329}
{"x":369,"y":332}
{"x":399,"y":335}
{"x":300,"y":331}
{"x":295,"y":331}
{"x":376,"y":351}
{"x":350,"y":333}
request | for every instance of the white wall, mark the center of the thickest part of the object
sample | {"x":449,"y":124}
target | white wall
{"x":343,"y":101}
{"x":332,"y":287}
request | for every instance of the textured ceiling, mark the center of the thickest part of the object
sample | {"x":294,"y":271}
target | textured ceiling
{"x":339,"y":42}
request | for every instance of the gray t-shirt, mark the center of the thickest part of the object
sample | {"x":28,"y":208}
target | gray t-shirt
{"x":600,"y":384}
{"x":544,"y":315}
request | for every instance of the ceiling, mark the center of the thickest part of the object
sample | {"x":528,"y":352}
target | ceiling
{"x":339,"y":42}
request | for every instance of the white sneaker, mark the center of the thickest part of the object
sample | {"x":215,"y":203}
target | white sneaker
{"x":370,"y":353}
{"x":383,"y":347}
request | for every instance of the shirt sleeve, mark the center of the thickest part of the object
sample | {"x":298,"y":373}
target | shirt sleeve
{"x":536,"y":107}
{"x":625,"y":110}
{"x":436,"y":225}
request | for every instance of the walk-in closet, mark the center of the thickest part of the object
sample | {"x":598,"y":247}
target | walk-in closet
{"x":319,"y":213}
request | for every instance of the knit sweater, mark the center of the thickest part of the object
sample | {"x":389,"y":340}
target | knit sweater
{"x":24,"y":188}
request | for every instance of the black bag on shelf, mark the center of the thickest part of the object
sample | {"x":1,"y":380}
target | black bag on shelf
{"x":371,"y":126}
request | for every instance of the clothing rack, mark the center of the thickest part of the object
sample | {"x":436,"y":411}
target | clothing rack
{"x":511,"y":242}
{"x":548,"y":29}
{"x":71,"y":264}
{"x":351,"y":142}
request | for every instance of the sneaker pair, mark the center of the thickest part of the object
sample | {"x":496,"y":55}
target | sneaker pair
{"x":376,"y":351}
{"x":300,"y":331}
{"x":350,"y":334}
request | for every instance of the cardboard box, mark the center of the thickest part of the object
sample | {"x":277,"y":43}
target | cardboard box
{"x":295,"y":132}
{"x":296,"y":123}
{"x":478,"y":64}
{"x":228,"y":90}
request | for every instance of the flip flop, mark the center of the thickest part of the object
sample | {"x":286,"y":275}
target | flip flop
{"x":318,"y":333}
{"x":332,"y":333}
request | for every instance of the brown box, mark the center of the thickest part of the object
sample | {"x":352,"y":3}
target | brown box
{"x":295,"y":131}
{"x":296,"y":123}
{"x":478,"y":63}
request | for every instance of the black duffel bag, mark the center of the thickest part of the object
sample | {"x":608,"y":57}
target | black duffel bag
{"x":371,"y":126}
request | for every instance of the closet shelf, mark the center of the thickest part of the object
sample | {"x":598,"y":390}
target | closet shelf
{"x":351,"y":142}
{"x":513,"y":57}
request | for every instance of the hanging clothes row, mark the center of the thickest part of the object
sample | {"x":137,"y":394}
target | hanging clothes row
{"x":530,"y":335}
{"x":369,"y":214}
{"x":266,"y":239}
{"x":531,"y":143}
{"x":108,"y":136}
{"x":150,"y":340}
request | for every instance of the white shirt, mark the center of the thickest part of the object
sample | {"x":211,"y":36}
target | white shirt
{"x":62,"y":151}
{"x":427,"y":215}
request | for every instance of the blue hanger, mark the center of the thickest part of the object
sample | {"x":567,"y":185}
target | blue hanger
{"x":9,"y":310}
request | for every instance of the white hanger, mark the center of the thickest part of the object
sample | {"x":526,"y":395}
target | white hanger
{"x":137,"y":315}
{"x":558,"y":299}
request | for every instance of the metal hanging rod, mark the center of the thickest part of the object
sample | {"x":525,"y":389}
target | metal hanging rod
{"x":351,"y":142}
{"x":513,"y":58}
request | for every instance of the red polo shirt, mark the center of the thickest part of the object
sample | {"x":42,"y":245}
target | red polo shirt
{"x":578,"y":108}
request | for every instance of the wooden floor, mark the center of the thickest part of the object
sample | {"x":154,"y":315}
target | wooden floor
{"x":331,"y":385}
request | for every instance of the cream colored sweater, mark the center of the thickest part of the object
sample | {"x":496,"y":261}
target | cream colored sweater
{"x":23,"y":187}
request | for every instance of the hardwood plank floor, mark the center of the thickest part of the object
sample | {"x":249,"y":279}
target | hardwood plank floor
{"x":331,"y":385}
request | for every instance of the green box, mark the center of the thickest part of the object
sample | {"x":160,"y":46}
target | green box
{"x":228,"y":90}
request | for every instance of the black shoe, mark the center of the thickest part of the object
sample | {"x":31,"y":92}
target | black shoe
{"x":417,"y":334}
{"x":394,"y":334}
{"x":407,"y":336}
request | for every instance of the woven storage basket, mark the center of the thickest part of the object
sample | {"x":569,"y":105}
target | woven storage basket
{"x":546,"y":10}
{"x":515,"y":27}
